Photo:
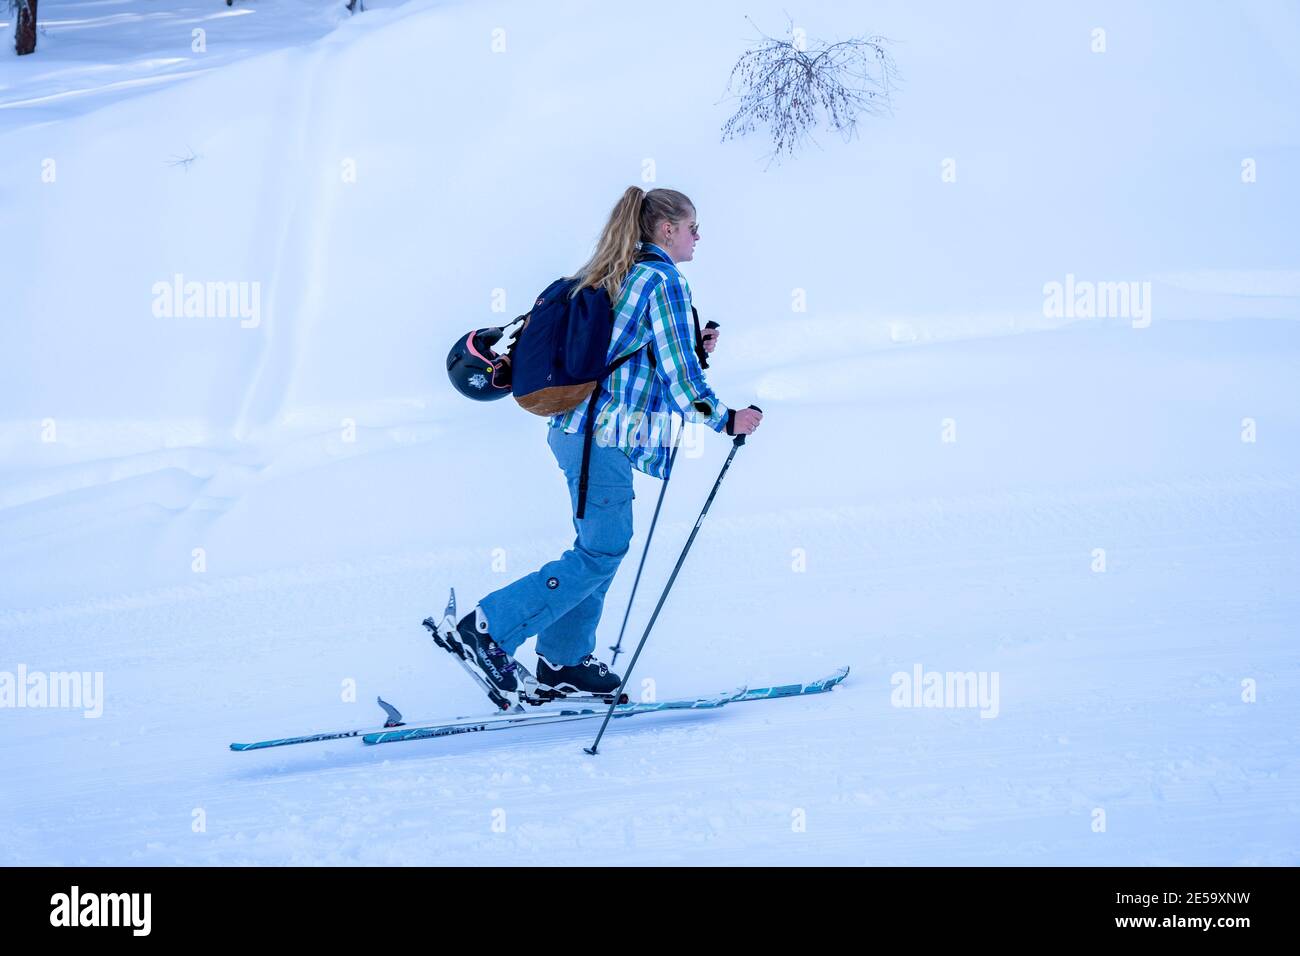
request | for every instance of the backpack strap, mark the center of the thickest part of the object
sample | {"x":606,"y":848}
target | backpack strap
{"x":588,"y":430}
{"x":649,"y":353}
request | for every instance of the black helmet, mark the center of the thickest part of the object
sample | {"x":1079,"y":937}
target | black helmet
{"x":475,"y":370}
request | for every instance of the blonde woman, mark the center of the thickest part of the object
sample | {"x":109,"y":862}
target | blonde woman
{"x":648,"y":234}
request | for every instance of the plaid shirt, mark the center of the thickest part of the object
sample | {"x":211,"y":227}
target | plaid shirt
{"x":640,"y":398}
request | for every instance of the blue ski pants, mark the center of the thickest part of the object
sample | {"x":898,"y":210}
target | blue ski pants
{"x":561,"y":602}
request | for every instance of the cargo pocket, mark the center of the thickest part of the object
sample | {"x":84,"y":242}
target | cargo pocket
{"x":606,"y":528}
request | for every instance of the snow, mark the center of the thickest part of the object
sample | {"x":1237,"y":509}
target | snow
{"x":337,"y":487}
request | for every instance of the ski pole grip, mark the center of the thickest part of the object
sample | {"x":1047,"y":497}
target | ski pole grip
{"x":702,"y":351}
{"x":740,"y":439}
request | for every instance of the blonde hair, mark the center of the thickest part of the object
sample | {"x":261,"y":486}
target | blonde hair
{"x":633,"y":219}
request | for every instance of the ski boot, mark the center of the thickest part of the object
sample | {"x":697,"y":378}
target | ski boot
{"x":587,"y":679}
{"x":505,"y":681}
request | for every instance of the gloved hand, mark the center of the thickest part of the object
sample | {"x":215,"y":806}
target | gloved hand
{"x":745,"y":421}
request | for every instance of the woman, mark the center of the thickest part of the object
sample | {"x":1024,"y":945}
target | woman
{"x":647,"y":234}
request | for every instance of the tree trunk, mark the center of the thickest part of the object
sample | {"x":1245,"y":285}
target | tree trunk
{"x":25,"y":31}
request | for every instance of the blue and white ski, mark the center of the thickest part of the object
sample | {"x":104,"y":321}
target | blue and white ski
{"x":394,"y":729}
{"x":515,"y":721}
{"x":796,"y":690}
{"x":394,"y":720}
{"x":445,"y":728}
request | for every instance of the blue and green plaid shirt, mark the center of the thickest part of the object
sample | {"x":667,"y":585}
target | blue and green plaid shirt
{"x":640,"y":398}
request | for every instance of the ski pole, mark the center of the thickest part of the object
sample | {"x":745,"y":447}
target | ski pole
{"x":618,"y":694}
{"x":617,"y":646}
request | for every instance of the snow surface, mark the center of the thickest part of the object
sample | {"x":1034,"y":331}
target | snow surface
{"x":1119,"y":690}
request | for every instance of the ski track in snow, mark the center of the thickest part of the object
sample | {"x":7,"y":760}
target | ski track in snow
{"x":1119,"y":691}
{"x":1128,"y":702}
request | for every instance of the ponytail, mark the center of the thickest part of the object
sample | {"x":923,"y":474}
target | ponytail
{"x":632,"y":220}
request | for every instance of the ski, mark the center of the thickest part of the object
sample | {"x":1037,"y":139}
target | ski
{"x":476,"y":723}
{"x":796,"y":690}
{"x":508,"y":721}
{"x":394,"y":729}
{"x":394,"y":719}
{"x":516,"y":720}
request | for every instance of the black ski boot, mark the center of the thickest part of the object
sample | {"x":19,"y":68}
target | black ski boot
{"x":497,"y":667}
{"x":588,"y":676}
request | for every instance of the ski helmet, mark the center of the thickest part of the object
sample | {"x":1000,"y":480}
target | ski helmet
{"x":475,"y":370}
